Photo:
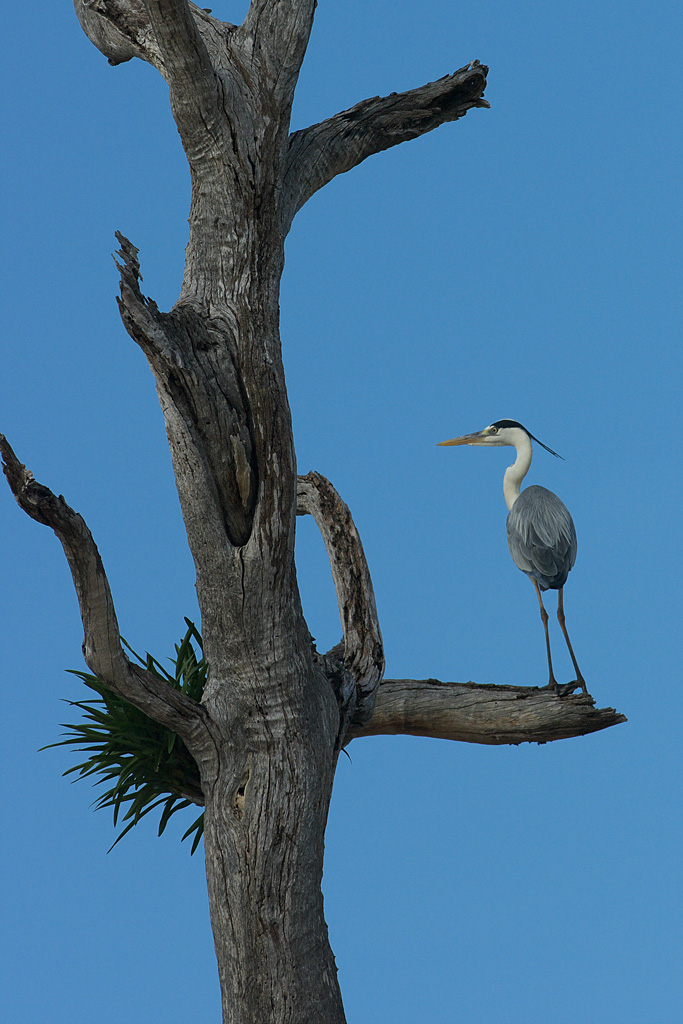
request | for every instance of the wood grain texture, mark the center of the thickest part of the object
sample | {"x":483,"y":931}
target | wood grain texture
{"x":216,"y":357}
{"x":482,"y":713}
{"x":317,"y":154}
{"x":266,"y":736}
{"x":102,"y":647}
{"x":275,"y":35}
{"x":120,"y":29}
{"x":223,"y":448}
{"x":363,"y":651}
{"x":123,"y":29}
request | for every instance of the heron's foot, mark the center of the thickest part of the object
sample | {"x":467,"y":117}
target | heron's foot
{"x":567,"y":688}
{"x":580,"y":681}
{"x":564,"y":689}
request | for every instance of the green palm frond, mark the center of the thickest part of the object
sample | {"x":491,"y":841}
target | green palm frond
{"x":146,"y":765}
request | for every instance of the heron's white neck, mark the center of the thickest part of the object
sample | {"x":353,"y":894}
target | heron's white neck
{"x":515,"y":473}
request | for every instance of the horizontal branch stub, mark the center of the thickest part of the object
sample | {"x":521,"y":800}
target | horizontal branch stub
{"x":102,"y":647}
{"x":363,"y":651}
{"x":318,"y":153}
{"x":482,"y":713}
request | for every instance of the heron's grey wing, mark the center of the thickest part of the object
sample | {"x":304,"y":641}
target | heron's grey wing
{"x":541,"y":537}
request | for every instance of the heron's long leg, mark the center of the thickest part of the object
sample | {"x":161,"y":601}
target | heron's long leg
{"x":560,"y":619}
{"x":552,"y":682}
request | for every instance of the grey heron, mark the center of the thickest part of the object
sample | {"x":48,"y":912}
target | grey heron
{"x":540,"y":530}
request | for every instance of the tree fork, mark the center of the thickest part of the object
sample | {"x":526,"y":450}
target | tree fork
{"x":274,"y":713}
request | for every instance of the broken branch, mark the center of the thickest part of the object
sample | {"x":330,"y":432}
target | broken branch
{"x":363,"y":654}
{"x":102,"y":648}
{"x":481,"y":713}
{"x":317,"y":154}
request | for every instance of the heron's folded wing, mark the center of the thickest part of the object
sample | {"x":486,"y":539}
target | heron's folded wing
{"x":541,"y":536}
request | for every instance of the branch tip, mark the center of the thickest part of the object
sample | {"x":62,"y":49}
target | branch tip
{"x":482,"y":713}
{"x":102,"y":648}
{"x":319,"y":153}
{"x":128,"y":253}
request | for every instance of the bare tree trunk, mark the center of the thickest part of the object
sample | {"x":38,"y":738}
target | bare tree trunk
{"x":275,"y":713}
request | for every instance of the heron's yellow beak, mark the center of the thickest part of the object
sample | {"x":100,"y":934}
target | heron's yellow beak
{"x":467,"y":439}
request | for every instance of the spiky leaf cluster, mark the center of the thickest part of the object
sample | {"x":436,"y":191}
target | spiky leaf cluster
{"x":146,"y":765}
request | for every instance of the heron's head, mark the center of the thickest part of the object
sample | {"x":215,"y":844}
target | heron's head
{"x":502,"y":432}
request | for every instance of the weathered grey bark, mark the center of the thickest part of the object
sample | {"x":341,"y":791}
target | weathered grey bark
{"x":275,"y":713}
{"x":360,"y":656}
{"x":481,"y":713}
{"x":102,"y":647}
{"x":317,"y":154}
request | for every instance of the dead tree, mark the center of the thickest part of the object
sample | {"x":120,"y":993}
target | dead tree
{"x":275,"y":712}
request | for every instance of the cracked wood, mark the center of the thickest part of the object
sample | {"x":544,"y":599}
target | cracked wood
{"x":482,"y":713}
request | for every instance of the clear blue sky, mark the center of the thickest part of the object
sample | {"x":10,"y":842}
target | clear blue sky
{"x":521,"y":263}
